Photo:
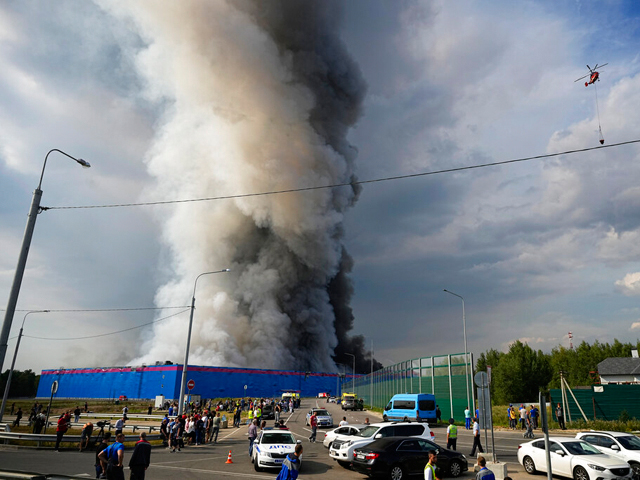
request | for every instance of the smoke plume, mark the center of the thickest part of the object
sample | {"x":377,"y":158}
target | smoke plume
{"x":255,"y":96}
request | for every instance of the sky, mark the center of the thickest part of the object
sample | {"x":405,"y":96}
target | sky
{"x":537,"y":249}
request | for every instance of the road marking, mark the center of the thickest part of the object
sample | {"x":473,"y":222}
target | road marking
{"x":201,"y":470}
{"x":191,"y":460}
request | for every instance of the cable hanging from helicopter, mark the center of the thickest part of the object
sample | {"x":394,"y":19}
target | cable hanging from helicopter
{"x":594,"y":76}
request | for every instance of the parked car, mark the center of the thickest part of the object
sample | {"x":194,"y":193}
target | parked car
{"x":324,"y":418}
{"x":619,"y":444}
{"x":416,"y":407}
{"x":268,"y":413}
{"x":271,"y":447}
{"x":352,"y":404}
{"x":341,"y":433}
{"x":399,"y":457}
{"x":332,"y":400}
{"x":342,"y":452}
{"x":573,"y":458}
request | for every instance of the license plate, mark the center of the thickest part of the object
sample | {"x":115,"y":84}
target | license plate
{"x":278,"y":460}
{"x":360,"y":456}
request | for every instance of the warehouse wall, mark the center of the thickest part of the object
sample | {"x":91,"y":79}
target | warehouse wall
{"x":211,"y":382}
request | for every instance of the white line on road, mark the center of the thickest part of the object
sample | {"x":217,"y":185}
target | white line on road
{"x":201,"y":470}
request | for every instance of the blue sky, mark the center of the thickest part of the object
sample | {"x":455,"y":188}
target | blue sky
{"x":537,"y":249}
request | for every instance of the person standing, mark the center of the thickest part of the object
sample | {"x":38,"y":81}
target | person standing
{"x":513,"y":418}
{"x":523,"y":416}
{"x":100,"y":472}
{"x":253,"y":433}
{"x":277,"y":410}
{"x":467,"y":418}
{"x":343,"y":422}
{"x":85,"y":436}
{"x":63,"y":426}
{"x":112,"y":459}
{"x":215,"y":427}
{"x":452,"y":435}
{"x":16,"y":422}
{"x":76,"y":414}
{"x":120,"y":424}
{"x":430,"y":467}
{"x":438,"y":414}
{"x":484,"y":473}
{"x":86,"y":407}
{"x":560,"y":417}
{"x":140,"y":458}
{"x":534,"y":416}
{"x":291,"y":465}
{"x":476,"y":438}
{"x":313,"y":422}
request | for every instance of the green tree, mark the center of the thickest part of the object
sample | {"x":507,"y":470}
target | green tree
{"x":23,"y":384}
{"x":521,"y":373}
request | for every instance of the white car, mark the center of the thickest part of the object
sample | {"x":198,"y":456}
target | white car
{"x":323,"y":417}
{"x":619,"y":444}
{"x":341,"y":433}
{"x":271,"y":447}
{"x":342,"y":451}
{"x":573,"y":458}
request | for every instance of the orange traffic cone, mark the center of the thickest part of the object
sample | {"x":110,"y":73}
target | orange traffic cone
{"x":229,"y":458}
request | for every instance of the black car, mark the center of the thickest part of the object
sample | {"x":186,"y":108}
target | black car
{"x":268,"y":413}
{"x":398,"y":458}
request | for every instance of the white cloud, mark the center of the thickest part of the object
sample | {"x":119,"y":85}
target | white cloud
{"x":630,"y":284}
{"x":635,"y":326}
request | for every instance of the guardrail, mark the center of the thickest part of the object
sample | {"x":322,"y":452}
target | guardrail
{"x":39,"y":438}
{"x":133,"y":428}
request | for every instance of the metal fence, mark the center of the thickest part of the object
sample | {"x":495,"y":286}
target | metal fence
{"x":442,"y":375}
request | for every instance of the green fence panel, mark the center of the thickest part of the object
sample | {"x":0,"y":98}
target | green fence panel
{"x":603,"y":402}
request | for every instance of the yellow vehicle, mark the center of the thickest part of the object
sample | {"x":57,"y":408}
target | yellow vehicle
{"x":350,"y":402}
{"x":351,"y":396}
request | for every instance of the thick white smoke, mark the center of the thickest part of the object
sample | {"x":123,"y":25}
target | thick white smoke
{"x":256,"y":96}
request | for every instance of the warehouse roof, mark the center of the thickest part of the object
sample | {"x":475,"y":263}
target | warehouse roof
{"x":619,"y":366}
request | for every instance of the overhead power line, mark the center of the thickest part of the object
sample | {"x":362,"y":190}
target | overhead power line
{"x":102,"y":309}
{"x":109,"y":333}
{"x":345,"y":184}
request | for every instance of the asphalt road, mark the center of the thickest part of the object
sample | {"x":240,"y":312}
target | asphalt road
{"x":208,"y":461}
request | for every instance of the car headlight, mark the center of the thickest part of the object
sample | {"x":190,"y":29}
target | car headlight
{"x":266,"y":454}
{"x":596,"y":467}
{"x":346,"y":444}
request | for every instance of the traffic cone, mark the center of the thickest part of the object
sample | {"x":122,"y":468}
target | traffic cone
{"x":229,"y":458}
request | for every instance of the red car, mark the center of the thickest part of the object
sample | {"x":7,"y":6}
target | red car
{"x":123,"y":398}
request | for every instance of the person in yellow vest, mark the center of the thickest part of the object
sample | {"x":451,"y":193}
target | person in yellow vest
{"x":250,"y":415}
{"x":452,"y":435}
{"x":430,"y":468}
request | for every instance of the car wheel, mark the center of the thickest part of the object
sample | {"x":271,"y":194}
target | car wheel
{"x":255,"y":465}
{"x":330,"y":444}
{"x":384,"y":418}
{"x":635,"y":467}
{"x":344,"y":464}
{"x":396,"y":473}
{"x":405,"y":419}
{"x":529,"y":466}
{"x":579,"y":473}
{"x":455,"y":469}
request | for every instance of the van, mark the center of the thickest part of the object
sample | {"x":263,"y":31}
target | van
{"x":418,"y":407}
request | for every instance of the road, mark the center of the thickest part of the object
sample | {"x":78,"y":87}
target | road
{"x":208,"y":461}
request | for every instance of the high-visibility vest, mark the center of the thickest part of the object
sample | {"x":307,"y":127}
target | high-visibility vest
{"x":433,"y":470}
{"x":250,"y":414}
{"x":453,"y":431}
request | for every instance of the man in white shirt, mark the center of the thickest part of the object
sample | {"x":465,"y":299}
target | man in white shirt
{"x":344,"y":422}
{"x":476,"y":438}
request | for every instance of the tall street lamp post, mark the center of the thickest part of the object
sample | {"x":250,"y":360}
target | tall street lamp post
{"x":13,"y":363}
{"x":22,"y":259}
{"x":353,"y":380}
{"x":466,"y":356}
{"x":183,"y":383}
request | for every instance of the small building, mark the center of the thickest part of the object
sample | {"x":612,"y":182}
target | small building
{"x":617,"y":370}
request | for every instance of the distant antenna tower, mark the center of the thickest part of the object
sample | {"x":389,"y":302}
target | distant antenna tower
{"x":570,"y":341}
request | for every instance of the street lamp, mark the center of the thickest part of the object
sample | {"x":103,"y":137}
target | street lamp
{"x":466,"y":357}
{"x":13,"y":363}
{"x":183,"y":383}
{"x":353,"y":380}
{"x":24,"y":252}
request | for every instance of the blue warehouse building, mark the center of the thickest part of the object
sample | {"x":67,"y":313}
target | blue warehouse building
{"x":210,"y":382}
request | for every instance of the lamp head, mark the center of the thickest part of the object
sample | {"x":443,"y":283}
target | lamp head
{"x":84,"y":163}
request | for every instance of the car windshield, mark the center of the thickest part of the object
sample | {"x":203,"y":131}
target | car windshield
{"x":367,"y":432}
{"x":322,"y":413}
{"x":581,"y":448}
{"x":280,"y":438}
{"x":629,"y":442}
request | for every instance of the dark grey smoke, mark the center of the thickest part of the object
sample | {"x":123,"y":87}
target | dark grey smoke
{"x":258,"y":96}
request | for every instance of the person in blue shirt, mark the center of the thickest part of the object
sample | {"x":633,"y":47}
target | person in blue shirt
{"x":112,"y":459}
{"x":291,"y":465}
{"x":484,"y":473}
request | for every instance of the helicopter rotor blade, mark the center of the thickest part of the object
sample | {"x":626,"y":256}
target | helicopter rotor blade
{"x":589,"y":68}
{"x":581,"y":78}
{"x":600,"y":66}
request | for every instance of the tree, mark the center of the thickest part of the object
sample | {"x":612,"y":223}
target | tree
{"x":23,"y":384}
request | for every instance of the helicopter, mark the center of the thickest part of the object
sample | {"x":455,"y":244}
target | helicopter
{"x":593,"y":75}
